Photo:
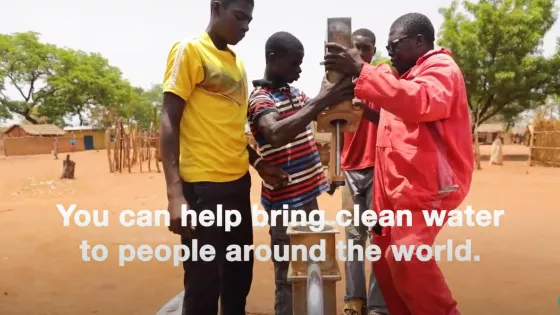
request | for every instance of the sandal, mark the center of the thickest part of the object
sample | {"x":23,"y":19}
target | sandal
{"x":355,"y":307}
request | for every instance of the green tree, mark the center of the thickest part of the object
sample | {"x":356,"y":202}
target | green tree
{"x":144,"y":103}
{"x":25,"y":64}
{"x":380,"y":59}
{"x":154,"y":95}
{"x":56,"y":83}
{"x":497,"y":44}
{"x":4,"y":112}
{"x":81,"y":82}
{"x":139,"y":108}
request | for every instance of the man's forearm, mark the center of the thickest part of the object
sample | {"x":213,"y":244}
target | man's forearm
{"x":283,"y":131}
{"x":169,"y":146}
{"x":428,"y":95}
{"x":371,"y":115}
{"x":253,"y":155}
{"x":170,"y":159}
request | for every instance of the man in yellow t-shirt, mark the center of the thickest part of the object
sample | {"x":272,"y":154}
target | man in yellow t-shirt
{"x":206,"y":156}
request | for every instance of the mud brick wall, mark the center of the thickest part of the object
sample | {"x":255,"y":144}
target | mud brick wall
{"x":98,"y":137}
{"x":39,"y":145}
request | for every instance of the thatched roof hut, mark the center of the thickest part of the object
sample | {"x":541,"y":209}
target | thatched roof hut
{"x":42,"y":130}
{"x":491,"y":128}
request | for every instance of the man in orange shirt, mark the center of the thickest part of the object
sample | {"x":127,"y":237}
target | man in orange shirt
{"x":424,"y":158}
{"x":358,"y":161}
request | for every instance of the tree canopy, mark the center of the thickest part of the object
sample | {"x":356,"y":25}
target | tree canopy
{"x":498,"y":45}
{"x":55,"y":83}
{"x":380,"y":59}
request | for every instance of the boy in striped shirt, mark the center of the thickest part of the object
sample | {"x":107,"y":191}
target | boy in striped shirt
{"x":280,"y":117}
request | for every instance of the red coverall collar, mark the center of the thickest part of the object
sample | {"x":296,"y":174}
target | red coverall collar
{"x":431,"y":53}
{"x":426,"y":56}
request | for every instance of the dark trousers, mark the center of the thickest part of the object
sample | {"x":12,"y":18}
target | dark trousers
{"x":230,"y":282}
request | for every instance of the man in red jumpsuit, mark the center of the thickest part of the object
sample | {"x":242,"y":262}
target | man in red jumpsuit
{"x":424,"y":154}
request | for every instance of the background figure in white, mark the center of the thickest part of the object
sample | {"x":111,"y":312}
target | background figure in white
{"x":496,"y":156}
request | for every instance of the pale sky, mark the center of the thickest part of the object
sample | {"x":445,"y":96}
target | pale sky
{"x":137,"y":35}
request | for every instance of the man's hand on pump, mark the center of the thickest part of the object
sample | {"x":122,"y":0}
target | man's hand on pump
{"x":344,"y":60}
{"x":332,"y":189}
{"x":369,"y":114}
{"x":335,"y":93}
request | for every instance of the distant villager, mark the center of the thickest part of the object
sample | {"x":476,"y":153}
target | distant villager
{"x":496,"y":156}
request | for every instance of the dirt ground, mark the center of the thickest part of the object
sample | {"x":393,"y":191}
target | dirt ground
{"x":42,"y":272}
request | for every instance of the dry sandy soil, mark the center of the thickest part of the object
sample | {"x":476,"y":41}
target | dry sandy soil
{"x":42,"y":272}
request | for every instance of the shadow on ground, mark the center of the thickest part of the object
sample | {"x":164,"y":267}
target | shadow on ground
{"x":509,"y":157}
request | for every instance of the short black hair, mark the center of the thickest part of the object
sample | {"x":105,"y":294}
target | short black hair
{"x":416,"y":23}
{"x":280,"y":43}
{"x":227,"y":3}
{"x":365,"y":33}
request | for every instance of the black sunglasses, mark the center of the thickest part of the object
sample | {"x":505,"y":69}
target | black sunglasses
{"x":393,"y":44}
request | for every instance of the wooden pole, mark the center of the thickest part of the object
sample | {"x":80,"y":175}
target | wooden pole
{"x":476,"y":144}
{"x":135,"y":145}
{"x":117,"y":144}
{"x":154,"y":140}
{"x":531,"y":147}
{"x":141,"y":139}
{"x":149,"y":152}
{"x":121,"y":144}
{"x":157,"y":154}
{"x":108,"y":146}
{"x":128,"y":159}
{"x":123,"y":150}
{"x":154,"y":136}
{"x":130,"y":151}
{"x":139,"y":145}
{"x":131,"y":139}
